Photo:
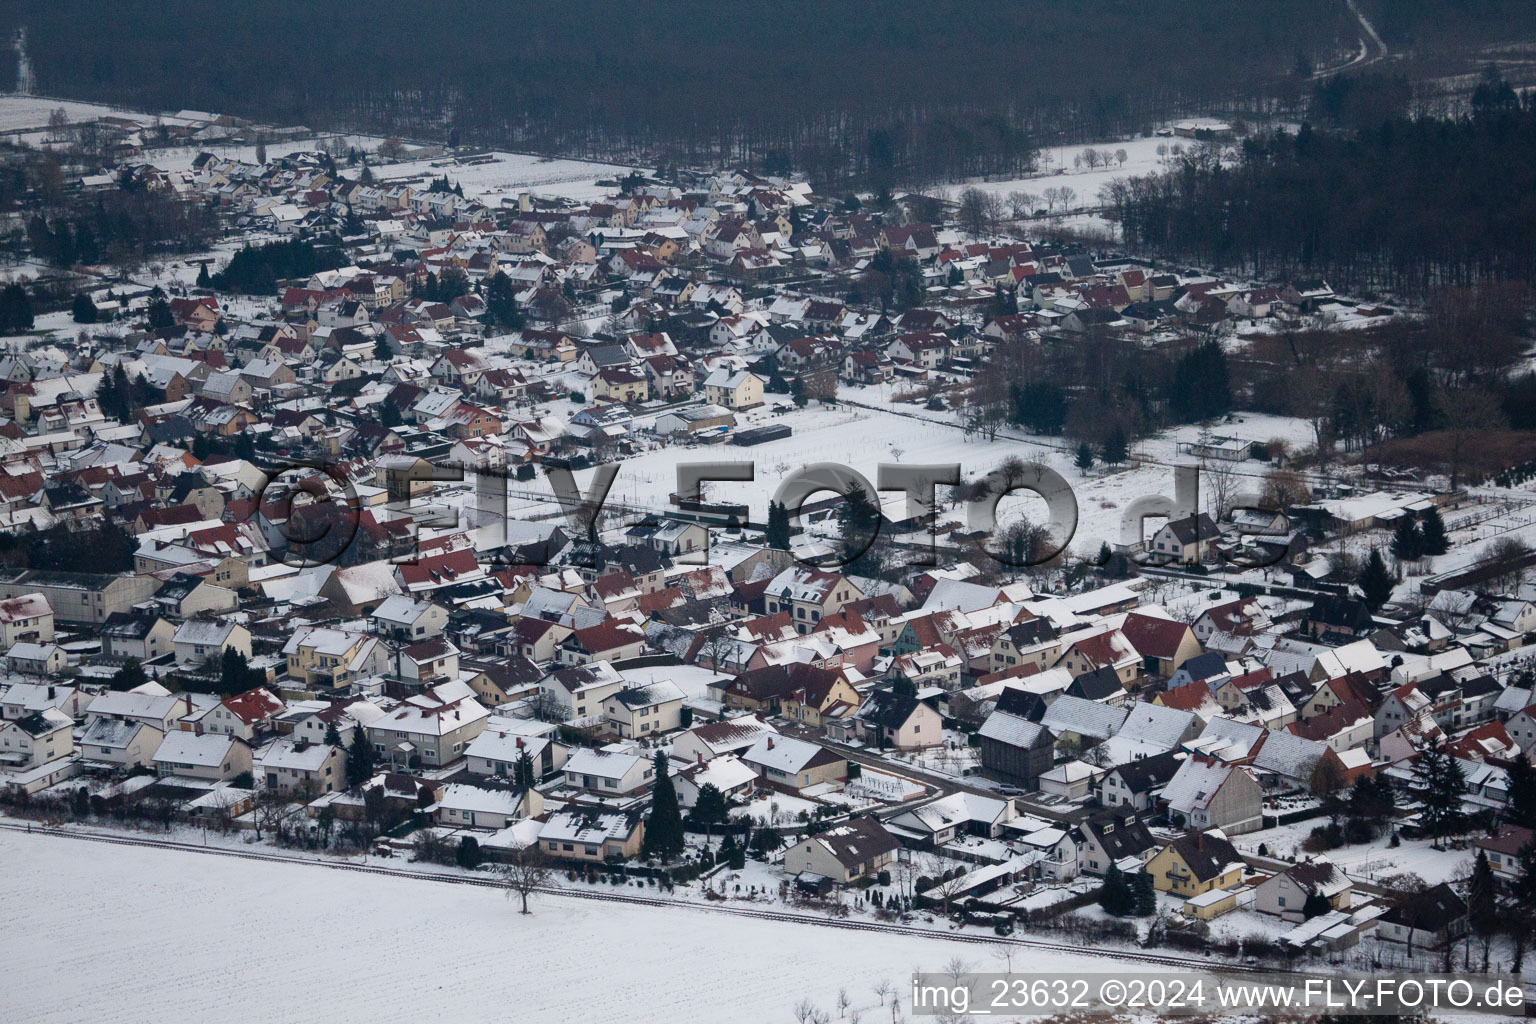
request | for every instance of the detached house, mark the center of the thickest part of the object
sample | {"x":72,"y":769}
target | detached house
{"x":790,"y":765}
{"x":211,"y":757}
{"x":845,"y":852}
{"x":808,"y":595}
{"x":1287,"y":892}
{"x":733,"y":389}
{"x":1196,"y":863}
{"x":1209,"y":794}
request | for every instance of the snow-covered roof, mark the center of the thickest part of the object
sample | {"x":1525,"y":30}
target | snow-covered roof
{"x":1083,"y":717}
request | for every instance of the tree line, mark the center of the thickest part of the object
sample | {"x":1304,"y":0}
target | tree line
{"x":1406,"y":205}
{"x":887,"y":92}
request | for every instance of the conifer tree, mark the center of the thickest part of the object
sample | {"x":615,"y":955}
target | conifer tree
{"x":1407,"y":541}
{"x":1145,"y":894}
{"x":664,"y":828}
{"x":1115,"y":896}
{"x":1084,"y":460}
{"x":1522,"y":793}
{"x":1115,"y":448}
{"x":777,"y":534}
{"x":523,"y":773}
{"x":360,"y":759}
{"x":1376,"y":581}
{"x":1439,"y":785}
{"x":1434,"y":541}
{"x":84,"y":310}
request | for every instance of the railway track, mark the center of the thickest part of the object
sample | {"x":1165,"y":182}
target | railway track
{"x":784,"y":916}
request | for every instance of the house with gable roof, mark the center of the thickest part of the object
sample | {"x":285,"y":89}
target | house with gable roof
{"x":1206,"y":793}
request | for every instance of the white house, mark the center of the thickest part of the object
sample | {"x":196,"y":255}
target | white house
{"x":28,"y":618}
{"x":291,"y":764}
{"x":609,"y":773}
{"x":644,"y":709}
{"x":212,"y":757}
{"x":200,"y":642}
{"x":36,"y":738}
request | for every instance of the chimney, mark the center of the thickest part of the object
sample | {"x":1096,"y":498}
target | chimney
{"x":770,"y":742}
{"x":1199,"y":840}
{"x":519,"y":743}
{"x":188,"y":699}
{"x":51,"y":690}
{"x":698,"y":755}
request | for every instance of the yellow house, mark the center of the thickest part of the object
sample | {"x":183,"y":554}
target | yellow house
{"x":739,"y":390}
{"x":1196,"y":863}
{"x":822,"y":692}
{"x":621,"y":385}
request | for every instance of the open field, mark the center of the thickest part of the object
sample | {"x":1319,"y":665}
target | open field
{"x":164,"y":936}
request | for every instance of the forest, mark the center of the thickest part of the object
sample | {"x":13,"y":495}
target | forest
{"x":1402,"y":207}
{"x":887,"y":93}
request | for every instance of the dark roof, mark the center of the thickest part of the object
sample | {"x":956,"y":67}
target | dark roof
{"x":1016,"y":701}
{"x":35,"y":724}
{"x":1149,"y":772}
{"x":857,"y":841}
{"x":1429,"y":911}
{"x":1204,"y":666}
{"x":1194,"y":528}
{"x":1342,"y":612}
{"x":1096,"y":685}
{"x":888,"y":709}
{"x":1121,"y":833}
{"x":1206,"y":854}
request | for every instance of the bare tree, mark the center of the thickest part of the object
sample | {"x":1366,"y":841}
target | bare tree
{"x":1285,"y":487}
{"x":946,"y":888}
{"x":1467,"y":412}
{"x":807,"y":1012}
{"x":1121,"y":157}
{"x":1022,"y":204}
{"x":1066,"y":193}
{"x":545,"y":707}
{"x":1221,"y":482}
{"x":1005,"y":952}
{"x":524,"y":872}
{"x":271,"y":809}
{"x":843,"y":1002}
{"x":883,"y":990}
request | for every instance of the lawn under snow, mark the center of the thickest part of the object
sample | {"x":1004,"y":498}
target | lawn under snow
{"x":163,"y":936}
{"x":507,"y":174}
{"x":1057,"y":170}
{"x":879,"y":430}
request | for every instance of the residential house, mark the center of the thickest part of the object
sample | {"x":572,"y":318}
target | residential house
{"x":845,"y":852}
{"x":790,"y":765}
{"x":1196,"y":863}
{"x":211,"y":757}
{"x":1288,"y":892}
{"x":1206,"y":793}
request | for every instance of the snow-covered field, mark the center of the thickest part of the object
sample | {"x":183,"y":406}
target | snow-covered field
{"x":864,"y":437}
{"x":1057,"y":170}
{"x":507,"y":174}
{"x":162,"y":936}
{"x":20,"y":112}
